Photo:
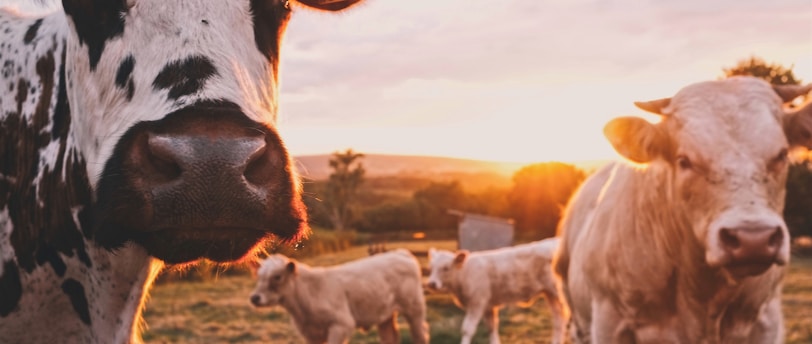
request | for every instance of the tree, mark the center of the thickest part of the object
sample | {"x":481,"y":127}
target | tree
{"x":342,"y":186}
{"x":774,"y":73}
{"x":539,"y":193}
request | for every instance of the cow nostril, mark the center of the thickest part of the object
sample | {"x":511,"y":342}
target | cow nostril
{"x":160,"y":154}
{"x":255,"y":299}
{"x":260,"y":166}
{"x":729,"y":238}
{"x":776,"y":238}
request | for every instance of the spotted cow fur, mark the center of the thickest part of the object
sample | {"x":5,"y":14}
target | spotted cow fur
{"x":74,"y":86}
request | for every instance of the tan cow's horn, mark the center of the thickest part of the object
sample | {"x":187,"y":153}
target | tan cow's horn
{"x":654,"y":106}
{"x":789,"y":92}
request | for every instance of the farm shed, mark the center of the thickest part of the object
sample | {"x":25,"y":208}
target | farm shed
{"x":478,"y":232}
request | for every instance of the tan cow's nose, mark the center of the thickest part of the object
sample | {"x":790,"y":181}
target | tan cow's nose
{"x":751,"y":245}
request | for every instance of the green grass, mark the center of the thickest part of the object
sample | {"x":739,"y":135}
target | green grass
{"x":218,"y":311}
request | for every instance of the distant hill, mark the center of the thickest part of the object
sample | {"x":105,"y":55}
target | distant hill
{"x":316,"y":167}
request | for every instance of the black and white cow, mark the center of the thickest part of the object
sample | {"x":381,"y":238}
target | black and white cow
{"x":132,"y":133}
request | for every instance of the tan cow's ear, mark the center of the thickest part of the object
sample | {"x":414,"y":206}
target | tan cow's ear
{"x":460,"y":257}
{"x":291,"y":267}
{"x":636,"y":139}
{"x":654,"y":106}
{"x":798,"y":127}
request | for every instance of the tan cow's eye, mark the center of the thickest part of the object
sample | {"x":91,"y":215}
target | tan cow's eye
{"x":684,"y":163}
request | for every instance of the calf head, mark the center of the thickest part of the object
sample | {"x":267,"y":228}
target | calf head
{"x":174,"y":107}
{"x":722,"y":149}
{"x":273,"y":281}
{"x":445,"y":266}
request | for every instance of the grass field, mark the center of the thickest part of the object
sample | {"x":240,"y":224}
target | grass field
{"x":219,"y":311}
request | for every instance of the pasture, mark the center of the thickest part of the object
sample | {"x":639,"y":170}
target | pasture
{"x":219,"y":312}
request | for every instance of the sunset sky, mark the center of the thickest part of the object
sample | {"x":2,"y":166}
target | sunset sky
{"x":512,"y":80}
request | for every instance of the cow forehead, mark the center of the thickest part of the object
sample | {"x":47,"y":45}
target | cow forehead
{"x":441,"y":257}
{"x":741,"y":115}
{"x":271,"y":265}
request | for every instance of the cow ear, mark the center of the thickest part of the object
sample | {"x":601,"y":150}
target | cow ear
{"x":798,"y":127}
{"x":461,"y":256}
{"x":329,"y":5}
{"x":636,"y":139}
{"x":291,"y":267}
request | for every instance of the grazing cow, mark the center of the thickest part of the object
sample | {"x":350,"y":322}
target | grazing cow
{"x":328,"y":304}
{"x":686,"y":245}
{"x":481,"y":282}
{"x":134,"y":132}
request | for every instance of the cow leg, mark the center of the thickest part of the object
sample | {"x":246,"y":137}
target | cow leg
{"x":469,"y":324}
{"x":606,"y":325}
{"x":557,"y":314}
{"x":338,"y":334}
{"x":388,"y":330}
{"x":492,"y":320}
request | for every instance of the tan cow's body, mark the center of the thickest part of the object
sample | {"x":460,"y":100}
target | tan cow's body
{"x":483,"y":281}
{"x":328,"y":304}
{"x":690,"y":246}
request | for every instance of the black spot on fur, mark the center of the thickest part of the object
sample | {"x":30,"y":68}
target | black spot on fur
{"x":76,"y":294}
{"x":125,"y":69}
{"x":96,"y":22}
{"x":11,"y":289}
{"x":62,"y":110}
{"x":184,"y":77}
{"x":270,"y":19}
{"x":130,"y":89}
{"x":31,"y":33}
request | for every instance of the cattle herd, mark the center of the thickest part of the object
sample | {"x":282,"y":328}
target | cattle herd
{"x":139,"y":133}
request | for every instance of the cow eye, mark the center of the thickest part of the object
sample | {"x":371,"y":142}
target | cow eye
{"x":782,"y":156}
{"x":277,"y":278}
{"x":445,"y":268}
{"x":780,"y":159}
{"x":684,"y":163}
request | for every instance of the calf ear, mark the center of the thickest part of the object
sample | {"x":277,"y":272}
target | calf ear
{"x":329,"y":5}
{"x":461,"y":256}
{"x":291,"y":267}
{"x":636,"y":139}
{"x":798,"y":127}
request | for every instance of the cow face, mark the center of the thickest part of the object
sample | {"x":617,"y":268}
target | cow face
{"x":445,"y":266}
{"x":273,"y":281}
{"x":174,"y":107}
{"x":722,"y":147}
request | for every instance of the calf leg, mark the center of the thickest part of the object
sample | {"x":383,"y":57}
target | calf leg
{"x":469,"y":324}
{"x":492,"y":320}
{"x":339,"y":334}
{"x":557,"y":313}
{"x":388,"y":330}
{"x":417,"y":324}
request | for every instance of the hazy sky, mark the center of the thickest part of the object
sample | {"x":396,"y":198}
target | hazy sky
{"x":514,"y":80}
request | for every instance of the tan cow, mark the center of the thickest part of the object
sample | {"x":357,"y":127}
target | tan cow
{"x":328,"y":304}
{"x":483,"y":281}
{"x":686,"y":244}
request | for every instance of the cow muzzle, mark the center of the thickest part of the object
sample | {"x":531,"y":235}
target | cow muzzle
{"x":748,"y":248}
{"x":194,"y":185}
